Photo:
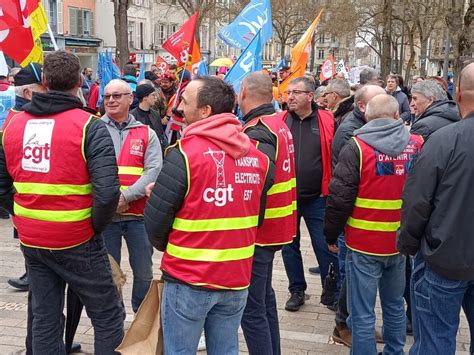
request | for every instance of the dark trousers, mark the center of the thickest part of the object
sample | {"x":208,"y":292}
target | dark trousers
{"x":86,"y":269}
{"x":406,"y":293}
{"x":260,"y":318}
{"x":313,"y":214}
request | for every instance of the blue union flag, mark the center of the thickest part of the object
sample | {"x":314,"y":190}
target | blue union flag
{"x":257,"y":15}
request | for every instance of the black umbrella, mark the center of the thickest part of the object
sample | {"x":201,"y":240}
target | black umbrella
{"x":328,"y":297}
{"x":73,"y":316}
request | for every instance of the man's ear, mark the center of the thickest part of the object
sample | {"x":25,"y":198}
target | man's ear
{"x":43,"y":81}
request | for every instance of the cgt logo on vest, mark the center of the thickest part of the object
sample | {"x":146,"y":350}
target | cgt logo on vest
{"x":37,"y":145}
{"x":219,"y":196}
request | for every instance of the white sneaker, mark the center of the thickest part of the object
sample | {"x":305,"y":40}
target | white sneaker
{"x":202,"y":343}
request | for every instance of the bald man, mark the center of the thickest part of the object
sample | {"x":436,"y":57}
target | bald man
{"x":263,"y":124}
{"x":364,"y":202}
{"x":355,"y":120}
{"x":437,"y":228}
{"x":139,"y":159}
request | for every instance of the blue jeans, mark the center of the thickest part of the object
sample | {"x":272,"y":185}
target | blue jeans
{"x":140,"y":253}
{"x":260,"y":319}
{"x":86,"y":269}
{"x":436,"y":304}
{"x":313,"y":213}
{"x":186,"y":311}
{"x":365,"y":274}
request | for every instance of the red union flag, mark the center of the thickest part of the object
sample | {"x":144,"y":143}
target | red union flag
{"x":328,"y":69}
{"x":21,"y":24}
{"x":180,"y":44}
{"x":162,"y":64}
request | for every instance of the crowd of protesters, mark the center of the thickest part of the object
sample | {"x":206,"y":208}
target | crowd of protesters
{"x":380,"y":173}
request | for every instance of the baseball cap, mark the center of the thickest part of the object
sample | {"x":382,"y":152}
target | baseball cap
{"x":31,"y":74}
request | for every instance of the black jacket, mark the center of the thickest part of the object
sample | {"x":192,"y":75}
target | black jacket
{"x":343,"y":109}
{"x":343,"y":190}
{"x":438,"y":203}
{"x":345,"y":131}
{"x":260,"y":133}
{"x":308,"y":158}
{"x":99,"y":153}
{"x":438,"y":115}
{"x":152,"y":118}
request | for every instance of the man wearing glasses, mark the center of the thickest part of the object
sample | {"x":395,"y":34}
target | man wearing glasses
{"x":138,"y":153}
{"x":313,"y":132}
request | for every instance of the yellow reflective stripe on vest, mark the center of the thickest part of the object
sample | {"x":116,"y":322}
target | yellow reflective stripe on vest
{"x":378,"y":204}
{"x":52,"y":189}
{"x":282,"y":187}
{"x":210,"y":255}
{"x":130,"y":170}
{"x":218,"y":224}
{"x":373,"y":226}
{"x":53,"y":216}
{"x":280,"y":212}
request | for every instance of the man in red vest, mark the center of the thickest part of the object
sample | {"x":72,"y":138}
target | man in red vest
{"x":313,"y":131}
{"x":53,"y":156}
{"x":263,"y":124}
{"x":203,"y":213}
{"x":139,"y":162}
{"x":365,"y":201}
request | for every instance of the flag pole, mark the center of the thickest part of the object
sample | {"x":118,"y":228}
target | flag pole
{"x":51,"y":35}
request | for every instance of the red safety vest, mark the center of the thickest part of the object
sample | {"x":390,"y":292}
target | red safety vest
{"x":212,"y":240}
{"x":375,"y":219}
{"x":10,"y":115}
{"x":279,"y":226}
{"x":53,"y":199}
{"x":131,"y":164}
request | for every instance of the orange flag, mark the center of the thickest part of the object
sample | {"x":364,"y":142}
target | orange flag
{"x":193,"y":63}
{"x":328,"y":69}
{"x":300,"y":54}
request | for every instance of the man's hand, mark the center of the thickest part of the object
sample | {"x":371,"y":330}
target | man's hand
{"x":122,"y":205}
{"x":149,"y":189}
{"x":165,"y":120}
{"x":333,"y":248}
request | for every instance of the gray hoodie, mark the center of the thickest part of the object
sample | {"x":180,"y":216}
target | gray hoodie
{"x":153,"y":161}
{"x":387,"y":135}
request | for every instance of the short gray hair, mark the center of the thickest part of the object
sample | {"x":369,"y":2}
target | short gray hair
{"x":319,"y":91}
{"x":340,"y":87}
{"x":122,"y":83}
{"x":429,"y":89}
{"x":368,"y":75}
{"x":308,"y":82}
{"x":19,"y":89}
{"x":381,"y":106}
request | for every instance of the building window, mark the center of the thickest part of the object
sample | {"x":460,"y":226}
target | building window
{"x":321,"y":54}
{"x":131,"y":34}
{"x":172,"y":28}
{"x":53,"y":14}
{"x":80,"y":22}
{"x":160,"y":33}
{"x":321,"y":38}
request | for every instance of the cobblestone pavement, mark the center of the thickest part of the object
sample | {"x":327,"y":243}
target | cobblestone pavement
{"x":305,"y":332}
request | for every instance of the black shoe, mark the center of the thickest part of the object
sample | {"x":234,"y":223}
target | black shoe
{"x":409,"y":327}
{"x":295,"y":301}
{"x":333,"y":307}
{"x":75,"y":347}
{"x":314,"y":270}
{"x":20,"y":283}
{"x":4,"y":214}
